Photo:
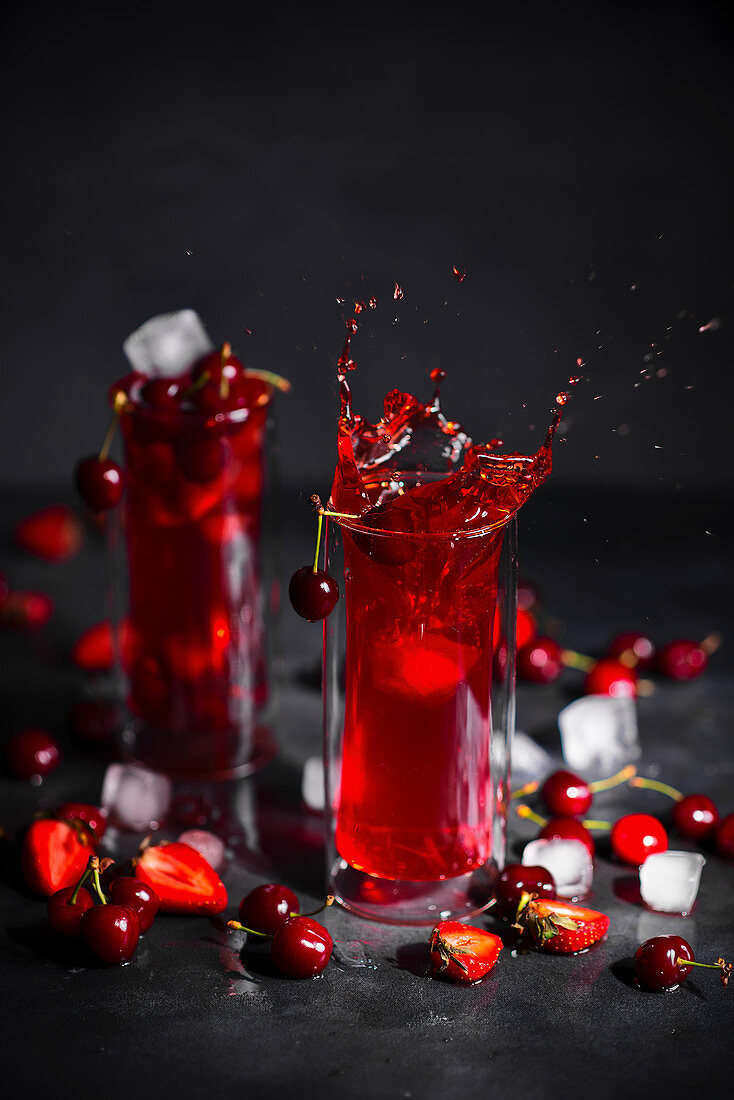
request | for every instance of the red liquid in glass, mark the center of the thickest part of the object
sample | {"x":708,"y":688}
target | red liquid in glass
{"x":192,"y":517}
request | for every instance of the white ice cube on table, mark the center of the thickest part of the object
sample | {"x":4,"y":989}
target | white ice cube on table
{"x":529,"y":759}
{"x":569,"y":861}
{"x":134,"y":797}
{"x":168,"y":344}
{"x":599,"y":734}
{"x":207,"y":845}
{"x":312,"y":784}
{"x":669,"y":881}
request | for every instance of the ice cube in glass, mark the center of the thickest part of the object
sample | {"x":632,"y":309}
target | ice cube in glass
{"x":669,"y":881}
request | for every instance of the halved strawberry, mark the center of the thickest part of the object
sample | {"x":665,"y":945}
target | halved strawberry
{"x":182,"y":879}
{"x":55,"y":854}
{"x":94,"y":650}
{"x":559,"y":926}
{"x":54,"y":533}
{"x":463,"y":953}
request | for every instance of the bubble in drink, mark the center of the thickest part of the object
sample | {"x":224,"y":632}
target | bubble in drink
{"x":669,"y":881}
{"x":168,"y":344}
{"x":599,"y":734}
{"x":134,"y":797}
{"x":569,"y":861}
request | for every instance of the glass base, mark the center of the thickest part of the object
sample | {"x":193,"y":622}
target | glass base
{"x":401,"y":902}
{"x":197,"y":756}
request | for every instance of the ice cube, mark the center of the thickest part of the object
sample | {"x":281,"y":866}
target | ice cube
{"x":135,"y":798}
{"x":312,"y":784}
{"x":669,"y":881}
{"x":207,"y":844}
{"x":599,"y":734}
{"x":529,"y":759}
{"x":568,"y":861}
{"x":168,"y":344}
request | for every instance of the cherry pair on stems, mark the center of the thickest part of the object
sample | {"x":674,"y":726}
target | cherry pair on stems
{"x":300,"y":947}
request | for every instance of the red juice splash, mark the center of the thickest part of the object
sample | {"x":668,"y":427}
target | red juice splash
{"x":421,"y":577}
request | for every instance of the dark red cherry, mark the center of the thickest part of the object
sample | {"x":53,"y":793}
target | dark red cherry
{"x":26,"y":610}
{"x":540,"y":661}
{"x":608,"y":677}
{"x":516,"y":880}
{"x":65,"y":918}
{"x":636,"y":836}
{"x":224,"y":373}
{"x":724,"y":837}
{"x":568,"y":828}
{"x":215,"y":364}
{"x":695,"y":816}
{"x":301,"y":948}
{"x":657,"y":964}
{"x":85,"y":812}
{"x":314,"y":595}
{"x":100,"y":483}
{"x":681,"y":660}
{"x":633,"y":649}
{"x":566,"y":794}
{"x":32,"y":752}
{"x":268,"y":907}
{"x":162,"y":393}
{"x":138,"y":896}
{"x":111,"y":932}
{"x":202,"y":459}
{"x":94,"y":720}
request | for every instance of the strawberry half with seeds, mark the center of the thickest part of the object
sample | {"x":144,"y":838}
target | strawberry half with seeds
{"x":559,"y":926}
{"x":462,"y":953}
{"x":182,"y":879}
{"x":55,"y":855}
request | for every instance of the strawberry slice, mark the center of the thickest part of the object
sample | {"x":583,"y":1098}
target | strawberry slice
{"x":462,"y":953}
{"x":182,"y":879}
{"x":561,"y":927}
{"x":54,"y":533}
{"x":54,"y":855}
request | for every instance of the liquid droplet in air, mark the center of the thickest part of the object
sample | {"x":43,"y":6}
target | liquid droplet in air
{"x":458,"y":274}
{"x":397,"y":292}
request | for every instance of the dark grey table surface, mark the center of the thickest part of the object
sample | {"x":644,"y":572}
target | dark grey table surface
{"x":192,"y":1015}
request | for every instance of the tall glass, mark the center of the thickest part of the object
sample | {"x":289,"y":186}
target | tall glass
{"x":192,"y":588}
{"x":419,"y":709}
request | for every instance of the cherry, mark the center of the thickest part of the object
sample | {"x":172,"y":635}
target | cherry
{"x":665,"y":961}
{"x":540,"y":661}
{"x":125,"y":890}
{"x":609,"y":677}
{"x":633,"y":649}
{"x":162,"y":393}
{"x":266,"y":908}
{"x":516,"y":880}
{"x":566,"y":795}
{"x":567,"y":828}
{"x":301,"y":947}
{"x":26,"y":610}
{"x":215,"y":379}
{"x":54,"y":533}
{"x":724,"y":837}
{"x":695,"y":816}
{"x":111,"y":932}
{"x":33,"y":752}
{"x":64,"y":914}
{"x":313,"y":593}
{"x":91,"y":816}
{"x":681,"y":660}
{"x":202,"y":459}
{"x":100,"y":482}
{"x":636,"y":836}
{"x":94,"y":720}
{"x":525,"y":628}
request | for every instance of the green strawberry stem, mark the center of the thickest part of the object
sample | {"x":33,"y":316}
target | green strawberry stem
{"x":656,"y":785}
{"x":613,"y":780}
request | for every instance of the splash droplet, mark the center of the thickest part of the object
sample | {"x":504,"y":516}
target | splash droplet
{"x":458,"y":274}
{"x":397,"y":292}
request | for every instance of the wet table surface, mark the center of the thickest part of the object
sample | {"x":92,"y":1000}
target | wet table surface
{"x":194,"y":1014}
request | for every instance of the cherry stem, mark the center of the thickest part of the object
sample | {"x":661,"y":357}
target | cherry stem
{"x":223,"y":380}
{"x":589,"y":823}
{"x":529,"y":788}
{"x":199,"y":384}
{"x":656,"y":785}
{"x":94,"y":868}
{"x":318,"y":542}
{"x":275,"y":380}
{"x":572,"y":659}
{"x":80,"y":883}
{"x":725,"y":968}
{"x":710,"y":644}
{"x":235,"y":926}
{"x":330,"y":899}
{"x":613,"y":780}
{"x":524,"y":810}
{"x":119,"y":403}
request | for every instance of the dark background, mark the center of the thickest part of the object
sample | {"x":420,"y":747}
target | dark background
{"x":259,"y":164}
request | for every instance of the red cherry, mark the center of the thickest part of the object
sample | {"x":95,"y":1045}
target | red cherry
{"x":26,"y":610}
{"x":681,"y":660}
{"x":657,"y":965}
{"x":634,"y":649}
{"x":162,"y":393}
{"x":65,"y":918}
{"x":567,"y":828}
{"x":313,"y":595}
{"x":33,"y":752}
{"x":608,"y":677}
{"x":203,"y":458}
{"x":95,"y":721}
{"x":136,"y":895}
{"x":94,"y":649}
{"x":566,"y":794}
{"x":267,"y":908}
{"x":100,"y":483}
{"x":636,"y":836}
{"x":54,"y":534}
{"x":540,"y":661}
{"x":724,"y":837}
{"x":695,"y":816}
{"x":92,"y":816}
{"x":111,"y":932}
{"x":516,"y":880}
{"x":301,"y":947}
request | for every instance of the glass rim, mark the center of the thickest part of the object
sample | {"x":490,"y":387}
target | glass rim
{"x":133,"y":407}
